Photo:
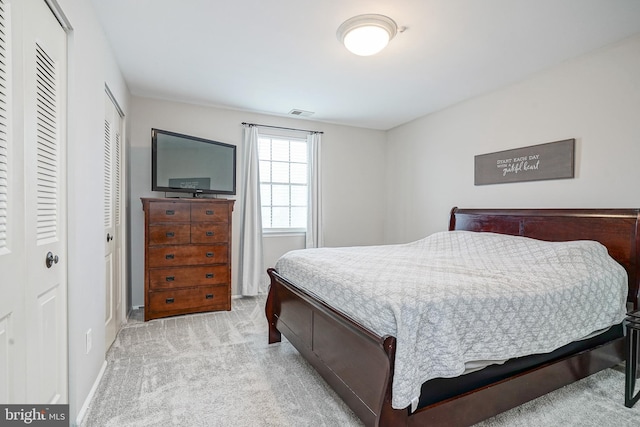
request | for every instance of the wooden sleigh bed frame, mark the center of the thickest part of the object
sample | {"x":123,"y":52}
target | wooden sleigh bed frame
{"x":358,"y":364}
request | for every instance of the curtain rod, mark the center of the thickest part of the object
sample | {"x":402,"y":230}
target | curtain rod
{"x":280,"y":127}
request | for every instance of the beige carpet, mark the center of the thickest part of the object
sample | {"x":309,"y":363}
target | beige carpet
{"x":216,"y":369}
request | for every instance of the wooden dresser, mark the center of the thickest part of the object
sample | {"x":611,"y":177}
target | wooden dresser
{"x":187,"y":260}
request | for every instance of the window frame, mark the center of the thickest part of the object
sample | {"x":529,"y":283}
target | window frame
{"x":291,"y":136}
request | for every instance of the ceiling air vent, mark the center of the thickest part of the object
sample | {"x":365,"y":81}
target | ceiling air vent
{"x":300,"y":113}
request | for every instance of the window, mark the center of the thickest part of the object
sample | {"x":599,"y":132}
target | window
{"x":283,"y":182}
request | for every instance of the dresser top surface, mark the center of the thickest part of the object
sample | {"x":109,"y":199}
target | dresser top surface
{"x":184,"y":200}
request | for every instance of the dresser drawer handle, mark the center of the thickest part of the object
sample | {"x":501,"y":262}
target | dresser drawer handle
{"x":209,"y":296}
{"x":209,"y":275}
{"x":171,"y":234}
{"x":170,"y":278}
{"x":209,"y":233}
{"x":169,"y":300}
{"x":170,"y":212}
{"x":169,"y":256}
{"x":209,"y":254}
{"x":209,"y":212}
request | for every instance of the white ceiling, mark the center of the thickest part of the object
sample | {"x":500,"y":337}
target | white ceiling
{"x":272,"y":56}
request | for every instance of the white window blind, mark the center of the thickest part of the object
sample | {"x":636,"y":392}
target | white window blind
{"x":284,"y":176}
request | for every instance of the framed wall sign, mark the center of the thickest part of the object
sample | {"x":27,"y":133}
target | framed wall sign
{"x":553,"y":160}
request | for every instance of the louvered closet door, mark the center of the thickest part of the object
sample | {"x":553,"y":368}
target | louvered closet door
{"x":112,"y":219}
{"x":12,"y":247}
{"x":44,"y":73}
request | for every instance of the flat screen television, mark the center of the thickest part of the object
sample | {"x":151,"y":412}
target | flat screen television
{"x":188,"y":164}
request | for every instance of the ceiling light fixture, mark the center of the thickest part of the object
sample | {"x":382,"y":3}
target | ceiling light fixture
{"x":368,"y":34}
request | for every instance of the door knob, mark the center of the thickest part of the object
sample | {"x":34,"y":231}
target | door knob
{"x":51,"y":259}
{"x":109,"y":237}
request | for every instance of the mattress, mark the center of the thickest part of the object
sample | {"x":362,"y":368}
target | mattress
{"x":458,"y":297}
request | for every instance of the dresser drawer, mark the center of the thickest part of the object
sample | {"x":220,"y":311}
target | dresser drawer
{"x":182,"y":277}
{"x":174,"y":256}
{"x":205,"y":232}
{"x":191,"y":299}
{"x":210,"y":212}
{"x":169,"y":212}
{"x":169,"y":234}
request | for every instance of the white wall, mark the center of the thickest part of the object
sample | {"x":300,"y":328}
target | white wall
{"x":594,"y":99}
{"x":91,"y":66}
{"x":352,"y":166}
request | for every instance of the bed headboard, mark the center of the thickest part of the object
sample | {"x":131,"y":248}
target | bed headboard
{"x":617,"y":229}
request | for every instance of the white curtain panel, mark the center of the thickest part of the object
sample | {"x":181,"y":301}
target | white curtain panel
{"x":252,"y":279}
{"x":314,"y":213}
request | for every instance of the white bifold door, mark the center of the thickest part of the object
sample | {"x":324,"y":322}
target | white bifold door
{"x":113,"y":214}
{"x":33,"y":258}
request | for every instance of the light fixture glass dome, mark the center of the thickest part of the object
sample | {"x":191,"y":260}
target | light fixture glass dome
{"x":368,"y":34}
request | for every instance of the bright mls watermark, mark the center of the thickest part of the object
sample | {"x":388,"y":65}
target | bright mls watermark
{"x":34,"y":415}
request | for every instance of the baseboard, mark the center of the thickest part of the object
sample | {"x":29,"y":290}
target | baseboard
{"x":92,"y":392}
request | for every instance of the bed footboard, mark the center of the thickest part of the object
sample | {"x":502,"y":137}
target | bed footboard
{"x":357,"y":363}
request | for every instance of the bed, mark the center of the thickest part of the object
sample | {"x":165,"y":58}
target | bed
{"x":359,"y":364}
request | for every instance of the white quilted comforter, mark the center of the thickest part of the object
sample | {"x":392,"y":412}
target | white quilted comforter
{"x":458,"y":297}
